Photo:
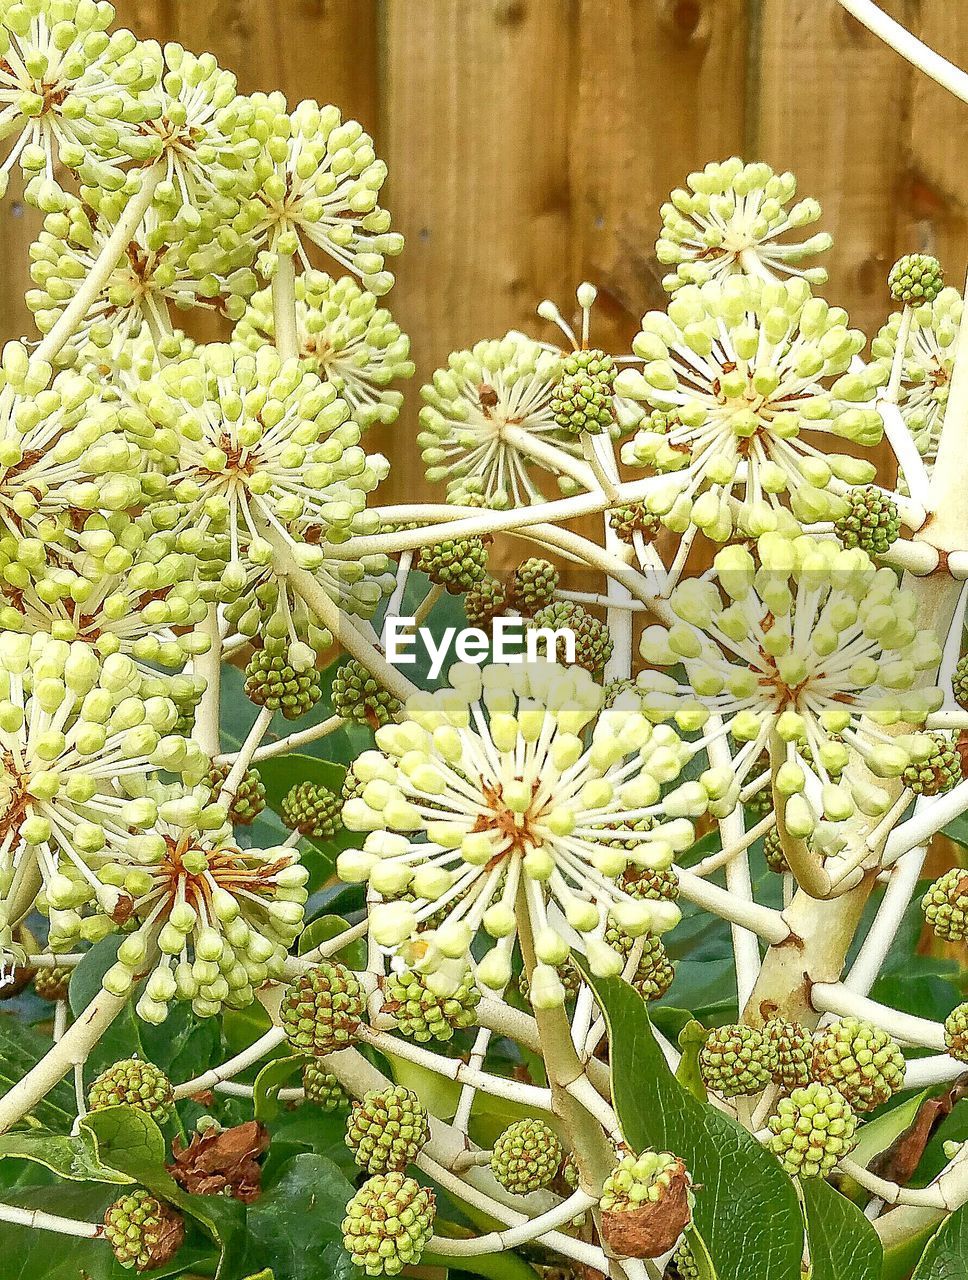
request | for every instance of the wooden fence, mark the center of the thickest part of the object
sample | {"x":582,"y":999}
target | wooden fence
{"x":530,"y":142}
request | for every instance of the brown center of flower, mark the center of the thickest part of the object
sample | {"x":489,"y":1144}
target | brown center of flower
{"x":519,"y":829}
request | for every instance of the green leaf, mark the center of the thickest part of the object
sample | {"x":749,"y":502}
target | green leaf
{"x":281,"y":773}
{"x":876,"y":1136}
{"x":946,"y":1256}
{"x":326,"y":927}
{"x":746,"y":1209}
{"x":294,"y":1227}
{"x":75,"y":1158}
{"x":22,"y":1047}
{"x":843,"y":1243}
{"x":270,"y":1080}
{"x":130,"y":1141}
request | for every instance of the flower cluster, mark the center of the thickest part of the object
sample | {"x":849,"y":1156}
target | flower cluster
{"x":77,"y":741}
{"x":488,"y":806}
{"x":730,"y":221}
{"x":737,"y":373}
{"x":806,"y":650}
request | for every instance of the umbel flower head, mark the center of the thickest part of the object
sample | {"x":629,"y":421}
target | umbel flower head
{"x":116,"y":589}
{"x":319,"y":183}
{"x":730,"y":221}
{"x":213,"y":921}
{"x":203,"y":135}
{"x":739,"y":372}
{"x":809,"y":647}
{"x":71,"y":92}
{"x":163,"y":263}
{"x":481,"y":414}
{"x":75,"y":734}
{"x":503,"y":793}
{"x":345,"y":337}
{"x":63,"y":451}
{"x":927,"y":365}
{"x":262,"y":449}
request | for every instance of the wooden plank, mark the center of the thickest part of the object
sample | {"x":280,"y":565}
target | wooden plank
{"x":661,"y":92}
{"x":477,"y":103}
{"x":830,"y":101}
{"x":935,"y":205}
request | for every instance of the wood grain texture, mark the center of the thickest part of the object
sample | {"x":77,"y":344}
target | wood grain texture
{"x":531,"y":142}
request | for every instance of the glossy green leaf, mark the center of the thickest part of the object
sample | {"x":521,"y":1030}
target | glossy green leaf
{"x":294,"y":1226}
{"x":843,"y":1243}
{"x":691,"y":1039}
{"x":21,"y":1047}
{"x":273,"y":1077}
{"x":946,"y":1257}
{"x":74,"y":1157}
{"x":746,"y":1209}
{"x":325,"y":927}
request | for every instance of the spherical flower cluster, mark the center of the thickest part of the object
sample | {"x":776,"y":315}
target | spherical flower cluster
{"x":73,"y":93}
{"x":359,"y":698}
{"x":113,"y":587}
{"x":646,"y":1204}
{"x":323,"y":1088}
{"x":945,"y":905}
{"x":387,"y":1129}
{"x":204,"y":136}
{"x":533,"y":584}
{"x":488,"y":785}
{"x":76,"y":736}
{"x":63,"y":451}
{"x":743,"y":370}
{"x":527,"y":1156}
{"x":420,"y":1014}
{"x":322,"y":1009}
{"x":388,"y":1224}
{"x":793,"y":1046}
{"x":870,"y":522}
{"x":730,"y":220}
{"x":262,"y":450}
{"x":164,"y":262}
{"x":133,"y":1083}
{"x":926,"y":365}
{"x":736,"y":1060}
{"x":312,"y":810}
{"x":319,"y":182}
{"x":812,"y":1130}
{"x":916,"y":278}
{"x":956,"y":1033}
{"x":811,"y":647}
{"x":144,"y":1232}
{"x":213,"y":921}
{"x":272,"y":681}
{"x":345,"y":337}
{"x":863,"y":1062}
{"x":483,"y":414}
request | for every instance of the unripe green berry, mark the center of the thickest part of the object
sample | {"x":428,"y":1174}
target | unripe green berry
{"x":53,"y":982}
{"x":860,"y":1060}
{"x":916,"y":278}
{"x":323,"y":1088}
{"x":272,"y":682}
{"x":133,"y":1083}
{"x":250,"y":795}
{"x":582,"y":400}
{"x":420,"y":1014}
{"x":793,"y":1046}
{"x":484,"y":602}
{"x":812,"y":1130}
{"x":388,"y":1223}
{"x":387,"y":1129}
{"x":945,"y":905}
{"x":358,"y":697}
{"x":736,"y":1060}
{"x":144,"y":1232}
{"x":956,"y":1033}
{"x":312,"y":810}
{"x":533,"y":585}
{"x":526,"y":1156}
{"x":322,"y":1009}
{"x":593,"y":640}
{"x":871,"y":521}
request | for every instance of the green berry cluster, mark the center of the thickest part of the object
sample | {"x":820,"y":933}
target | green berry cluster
{"x":312,"y":810}
{"x":272,"y":680}
{"x":323,"y":1088}
{"x":249,"y":799}
{"x":945,"y":905}
{"x":133,"y":1083}
{"x":916,"y":278}
{"x":533,"y":585}
{"x":956,"y":1033}
{"x":421,"y":1014}
{"x":388,"y":1224}
{"x":792,"y":1045}
{"x":527,"y":1156}
{"x":359,"y":698}
{"x":593,"y":640}
{"x":633,"y":518}
{"x":144,"y":1232}
{"x":53,"y":982}
{"x":322,"y":1009}
{"x":457,"y":564}
{"x":812,"y":1130}
{"x":860,"y":1060}
{"x":736,"y":1060}
{"x":582,"y":400}
{"x":870,"y":521}
{"x":387,"y":1129}
{"x":485,"y":601}
{"x":936,"y":766}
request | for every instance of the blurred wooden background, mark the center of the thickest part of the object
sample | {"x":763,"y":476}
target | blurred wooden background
{"x":530,"y":142}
